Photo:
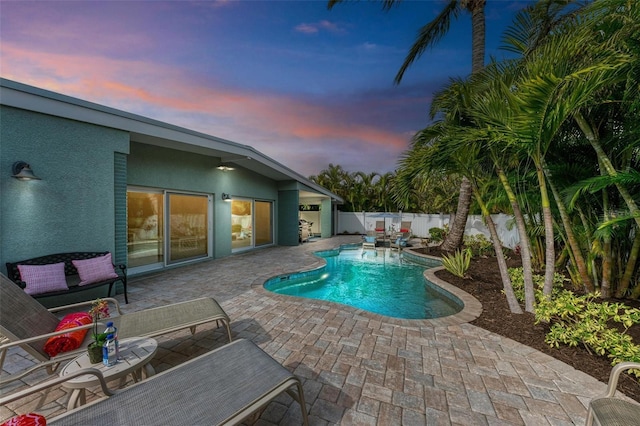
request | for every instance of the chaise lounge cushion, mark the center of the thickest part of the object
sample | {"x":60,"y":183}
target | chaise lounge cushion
{"x":68,"y":341}
{"x":43,"y":278}
{"x":95,"y":270}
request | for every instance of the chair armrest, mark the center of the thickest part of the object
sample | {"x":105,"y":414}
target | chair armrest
{"x":615,"y":375}
{"x":87,"y":303}
{"x":53,"y":382}
{"x":123,"y":268}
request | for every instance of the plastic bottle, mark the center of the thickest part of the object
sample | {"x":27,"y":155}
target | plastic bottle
{"x":111,"y":329}
{"x":109,"y":351}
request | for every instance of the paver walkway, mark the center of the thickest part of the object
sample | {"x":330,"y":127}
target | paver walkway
{"x":357,"y":368}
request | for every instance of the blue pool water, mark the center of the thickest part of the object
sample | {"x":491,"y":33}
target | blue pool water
{"x":380,"y":282}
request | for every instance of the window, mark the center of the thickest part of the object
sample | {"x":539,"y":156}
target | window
{"x":251,"y":223}
{"x":166,"y":227}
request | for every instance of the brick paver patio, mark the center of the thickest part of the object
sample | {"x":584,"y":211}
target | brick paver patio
{"x":358,"y":368}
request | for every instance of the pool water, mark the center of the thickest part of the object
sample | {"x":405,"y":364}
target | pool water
{"x":376,"y":281}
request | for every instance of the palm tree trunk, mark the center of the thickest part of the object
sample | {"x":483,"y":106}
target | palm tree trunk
{"x":571,"y":238}
{"x":550,"y":252}
{"x":456,"y":233}
{"x":631,"y":266}
{"x":608,"y":166}
{"x":514,"y":306}
{"x":607,"y":261}
{"x":525,"y":244}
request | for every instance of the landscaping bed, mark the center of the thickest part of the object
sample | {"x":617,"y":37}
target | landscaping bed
{"x":486,"y":286}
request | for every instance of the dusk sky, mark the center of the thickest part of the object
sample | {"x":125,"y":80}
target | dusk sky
{"x":305,"y":85}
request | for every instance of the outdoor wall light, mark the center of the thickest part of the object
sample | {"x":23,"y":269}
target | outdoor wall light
{"x":226,"y":197}
{"x":22,"y":171}
{"x":225,"y":168}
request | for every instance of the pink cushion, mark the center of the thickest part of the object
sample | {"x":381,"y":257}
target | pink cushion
{"x":95,"y":270}
{"x":43,"y":278}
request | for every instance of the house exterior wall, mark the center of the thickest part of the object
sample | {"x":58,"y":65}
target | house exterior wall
{"x":80,"y":203}
{"x":288,"y":232}
{"x":72,"y":207}
{"x":164,"y":168}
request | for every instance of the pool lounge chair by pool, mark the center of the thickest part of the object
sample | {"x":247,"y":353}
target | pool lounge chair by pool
{"x":224,"y":386}
{"x":24,"y":322}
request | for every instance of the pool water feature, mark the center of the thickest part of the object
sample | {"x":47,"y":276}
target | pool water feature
{"x":379,"y":281}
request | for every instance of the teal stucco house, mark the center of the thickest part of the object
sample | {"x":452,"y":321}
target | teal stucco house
{"x":154,"y":194}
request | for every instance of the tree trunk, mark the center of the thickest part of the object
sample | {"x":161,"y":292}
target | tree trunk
{"x":456,"y":232}
{"x":456,"y":235}
{"x":550,"y":252}
{"x":571,"y":238}
{"x":608,"y":166}
{"x":607,"y":261}
{"x":514,"y":306}
{"x":525,"y":244}
{"x":631,"y":266}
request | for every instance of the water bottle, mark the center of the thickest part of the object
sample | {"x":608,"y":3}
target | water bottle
{"x":113,"y":330}
{"x":109,"y":351}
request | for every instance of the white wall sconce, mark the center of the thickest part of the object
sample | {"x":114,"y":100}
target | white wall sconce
{"x":226,"y":197}
{"x":225,"y":168}
{"x":22,"y":171}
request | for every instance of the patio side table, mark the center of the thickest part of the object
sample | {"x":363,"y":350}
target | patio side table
{"x":135,"y":356}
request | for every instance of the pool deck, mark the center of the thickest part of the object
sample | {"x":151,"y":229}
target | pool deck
{"x":357,"y":368}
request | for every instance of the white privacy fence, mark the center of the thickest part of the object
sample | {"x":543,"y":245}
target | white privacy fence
{"x":361,"y":222}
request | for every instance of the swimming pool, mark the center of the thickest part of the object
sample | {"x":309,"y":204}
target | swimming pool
{"x":378,"y":281}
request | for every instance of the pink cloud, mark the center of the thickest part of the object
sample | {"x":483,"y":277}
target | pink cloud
{"x":170,"y":94}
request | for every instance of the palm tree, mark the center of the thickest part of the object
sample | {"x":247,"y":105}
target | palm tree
{"x":428,"y":36}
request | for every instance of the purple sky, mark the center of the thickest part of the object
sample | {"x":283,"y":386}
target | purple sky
{"x":302,"y":84}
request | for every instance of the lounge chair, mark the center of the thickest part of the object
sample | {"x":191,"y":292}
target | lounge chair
{"x":369,"y":241}
{"x":405,"y":229}
{"x":224,"y":386}
{"x":24,"y":322}
{"x":381,"y":232}
{"x":610,"y":410}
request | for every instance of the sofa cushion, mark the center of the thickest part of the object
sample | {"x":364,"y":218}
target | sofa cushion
{"x":95,"y":270}
{"x":68,"y":341}
{"x":43,"y":278}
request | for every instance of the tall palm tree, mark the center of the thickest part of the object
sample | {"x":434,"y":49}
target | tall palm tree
{"x":428,"y":36}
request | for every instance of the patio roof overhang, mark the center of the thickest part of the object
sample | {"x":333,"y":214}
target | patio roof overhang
{"x":153,"y":132}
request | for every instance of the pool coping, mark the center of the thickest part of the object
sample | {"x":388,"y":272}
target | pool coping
{"x":471,"y":309}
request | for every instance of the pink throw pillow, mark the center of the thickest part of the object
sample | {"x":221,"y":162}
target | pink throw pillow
{"x":43,"y":278}
{"x":95,"y":270}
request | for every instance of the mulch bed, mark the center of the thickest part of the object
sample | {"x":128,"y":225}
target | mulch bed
{"x":486,"y":286}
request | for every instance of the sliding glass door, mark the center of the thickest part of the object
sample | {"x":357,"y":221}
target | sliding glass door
{"x":251,"y":223}
{"x":167,"y":227}
{"x":189,"y":229}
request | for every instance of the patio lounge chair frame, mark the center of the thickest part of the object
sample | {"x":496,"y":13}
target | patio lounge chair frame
{"x":224,"y":386}
{"x":610,"y":410}
{"x":24,"y":322}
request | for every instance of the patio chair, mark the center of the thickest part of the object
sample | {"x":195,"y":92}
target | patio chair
{"x":24,"y":322}
{"x":405,"y":229}
{"x":611,"y":410}
{"x":224,"y":386}
{"x":381,"y":232}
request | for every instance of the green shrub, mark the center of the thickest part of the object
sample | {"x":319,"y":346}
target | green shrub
{"x":457,"y":263}
{"x":517,"y":282}
{"x":596,"y":325}
{"x":479,"y":245}
{"x":437,"y":235}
